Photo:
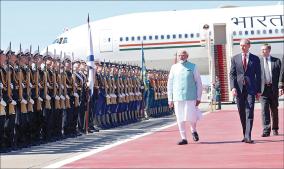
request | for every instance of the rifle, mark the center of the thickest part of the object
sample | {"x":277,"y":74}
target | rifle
{"x":54,"y":74}
{"x":67,"y":99}
{"x":62,"y":98}
{"x":30,"y":100}
{"x":2,"y":104}
{"x":74,"y":88}
{"x":45,"y":88}
{"x":38,"y":101}
{"x":12,"y":103}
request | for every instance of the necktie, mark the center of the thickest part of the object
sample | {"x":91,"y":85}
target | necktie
{"x":267,"y":72}
{"x":245,"y":61}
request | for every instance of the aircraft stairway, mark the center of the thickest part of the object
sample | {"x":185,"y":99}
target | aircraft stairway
{"x":221,"y":70}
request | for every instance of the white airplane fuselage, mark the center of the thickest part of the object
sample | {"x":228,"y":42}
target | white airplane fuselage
{"x":163,"y":33}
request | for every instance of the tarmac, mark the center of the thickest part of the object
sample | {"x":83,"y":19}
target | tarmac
{"x":71,"y":151}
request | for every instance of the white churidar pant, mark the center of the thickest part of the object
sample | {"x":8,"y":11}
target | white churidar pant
{"x":186,"y":111}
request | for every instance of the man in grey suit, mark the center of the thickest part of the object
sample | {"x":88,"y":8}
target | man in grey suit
{"x":245,"y":81}
{"x":270,"y":72}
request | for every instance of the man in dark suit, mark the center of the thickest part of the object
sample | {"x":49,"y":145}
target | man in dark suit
{"x":245,"y":80}
{"x":281,"y":79}
{"x":270,"y":72}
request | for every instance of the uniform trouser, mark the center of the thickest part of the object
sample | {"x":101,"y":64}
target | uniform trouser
{"x":35,"y":125}
{"x":269,"y":104}
{"x":66,"y":121}
{"x":2,"y":123}
{"x":245,"y":103}
{"x":81,"y":116}
{"x":25,"y":131}
{"x":9,"y":128}
{"x":91,"y":112}
{"x":57,"y":122}
{"x":46,"y":132}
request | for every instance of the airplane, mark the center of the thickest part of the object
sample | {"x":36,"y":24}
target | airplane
{"x":211,"y":36}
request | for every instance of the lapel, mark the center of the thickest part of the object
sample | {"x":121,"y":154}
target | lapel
{"x":272,"y":66}
{"x":249,"y":62}
{"x":240,"y":60}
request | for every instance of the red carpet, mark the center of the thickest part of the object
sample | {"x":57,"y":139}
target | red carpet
{"x":220,"y":146}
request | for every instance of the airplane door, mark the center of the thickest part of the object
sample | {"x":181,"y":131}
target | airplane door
{"x":221,"y":60}
{"x":106,"y":40}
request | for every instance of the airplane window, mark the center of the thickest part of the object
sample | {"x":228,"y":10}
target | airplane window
{"x":276,"y":31}
{"x":60,"y":41}
{"x":150,"y":37}
{"x":246,"y":32}
{"x":168,"y":36}
{"x":264,"y":31}
{"x":162,"y":36}
{"x":126,"y":39}
{"x":258,"y":32}
{"x":240,"y":32}
{"x":197,"y":35}
{"x":270,"y":31}
{"x":210,"y":33}
{"x":252,"y":32}
{"x":121,"y":39}
{"x":132,"y":38}
{"x":174,"y":36}
{"x":108,"y":39}
{"x":65,"y":40}
{"x":156,"y":37}
{"x":144,"y":38}
{"x":180,"y":36}
{"x":191,"y":35}
{"x":138,"y":37}
{"x":185,"y":35}
{"x":234,"y":33}
{"x":282,"y":30}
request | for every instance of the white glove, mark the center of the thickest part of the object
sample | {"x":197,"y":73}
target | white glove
{"x":14,"y":102}
{"x":31,"y":101}
{"x":76,"y":95}
{"x":24,"y":101}
{"x":67,"y":97}
{"x":48,"y":97}
{"x":57,"y":97}
{"x":62,"y":97}
{"x":12,"y":87}
{"x":31,"y":85}
{"x":1,"y":85}
{"x":40,"y":99}
{"x":3,"y":103}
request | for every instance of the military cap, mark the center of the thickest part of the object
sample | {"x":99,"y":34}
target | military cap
{"x":9,"y":52}
{"x":47,"y":56}
{"x":1,"y":51}
{"x":36,"y":54}
{"x":27,"y":52}
{"x":82,"y":61}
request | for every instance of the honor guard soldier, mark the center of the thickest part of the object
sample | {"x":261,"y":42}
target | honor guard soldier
{"x":76,"y":94}
{"x":36,"y":90}
{"x":11,"y":135}
{"x":3,"y":99}
{"x":67,"y":84}
{"x":46,"y":95}
{"x":58,"y":100}
{"x":83,"y":100}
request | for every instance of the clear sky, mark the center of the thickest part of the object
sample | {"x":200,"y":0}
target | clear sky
{"x":39,"y":22}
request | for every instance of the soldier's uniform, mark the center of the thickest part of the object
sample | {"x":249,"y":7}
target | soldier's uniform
{"x":10,"y":137}
{"x":36,"y":96}
{"x":3,"y":103}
